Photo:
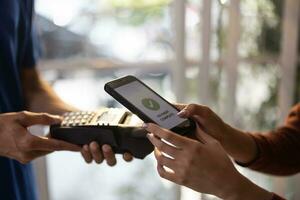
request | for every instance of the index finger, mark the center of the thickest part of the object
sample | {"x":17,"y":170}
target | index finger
{"x":50,"y":144}
{"x":166,"y":134}
{"x":179,"y":106}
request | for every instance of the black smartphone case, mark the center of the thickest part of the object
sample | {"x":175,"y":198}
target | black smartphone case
{"x":110,"y":89}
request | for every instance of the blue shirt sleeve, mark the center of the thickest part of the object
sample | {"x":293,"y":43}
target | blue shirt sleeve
{"x":31,"y":49}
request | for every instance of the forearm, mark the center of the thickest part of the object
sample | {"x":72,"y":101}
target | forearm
{"x":244,"y":189}
{"x":275,"y":151}
{"x":45,"y":100}
{"x":40,"y":97}
{"x":239,"y":145}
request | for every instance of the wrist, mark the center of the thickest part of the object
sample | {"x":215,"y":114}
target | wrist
{"x":228,"y":135}
{"x":242,"y":188}
{"x":230,"y":140}
{"x":239,"y":145}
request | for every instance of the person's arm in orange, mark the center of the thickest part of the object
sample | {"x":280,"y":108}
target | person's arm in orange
{"x":274,"y":152}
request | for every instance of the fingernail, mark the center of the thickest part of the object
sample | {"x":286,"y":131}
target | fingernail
{"x":106,"y":148}
{"x":94,"y":143}
{"x":149,"y":135}
{"x":57,"y":118}
{"x":145,"y":125}
{"x":182,"y":113}
{"x":86,"y":147}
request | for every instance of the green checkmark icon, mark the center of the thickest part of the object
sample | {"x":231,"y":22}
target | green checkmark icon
{"x":150,"y":104}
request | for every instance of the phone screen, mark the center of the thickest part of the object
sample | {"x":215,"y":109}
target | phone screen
{"x":156,"y":108}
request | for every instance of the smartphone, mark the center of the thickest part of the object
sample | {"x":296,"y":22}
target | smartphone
{"x":149,"y":106}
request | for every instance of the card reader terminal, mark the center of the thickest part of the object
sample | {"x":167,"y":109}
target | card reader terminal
{"x":114,"y":126}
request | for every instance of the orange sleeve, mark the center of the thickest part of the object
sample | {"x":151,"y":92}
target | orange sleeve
{"x":276,"y":197}
{"x":278,"y":150}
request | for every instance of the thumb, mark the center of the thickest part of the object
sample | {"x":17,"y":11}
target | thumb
{"x":179,"y":106}
{"x":194,"y":109}
{"x":29,"y":118}
{"x":50,"y":144}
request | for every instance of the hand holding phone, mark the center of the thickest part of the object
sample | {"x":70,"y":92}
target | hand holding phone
{"x":140,"y":99}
